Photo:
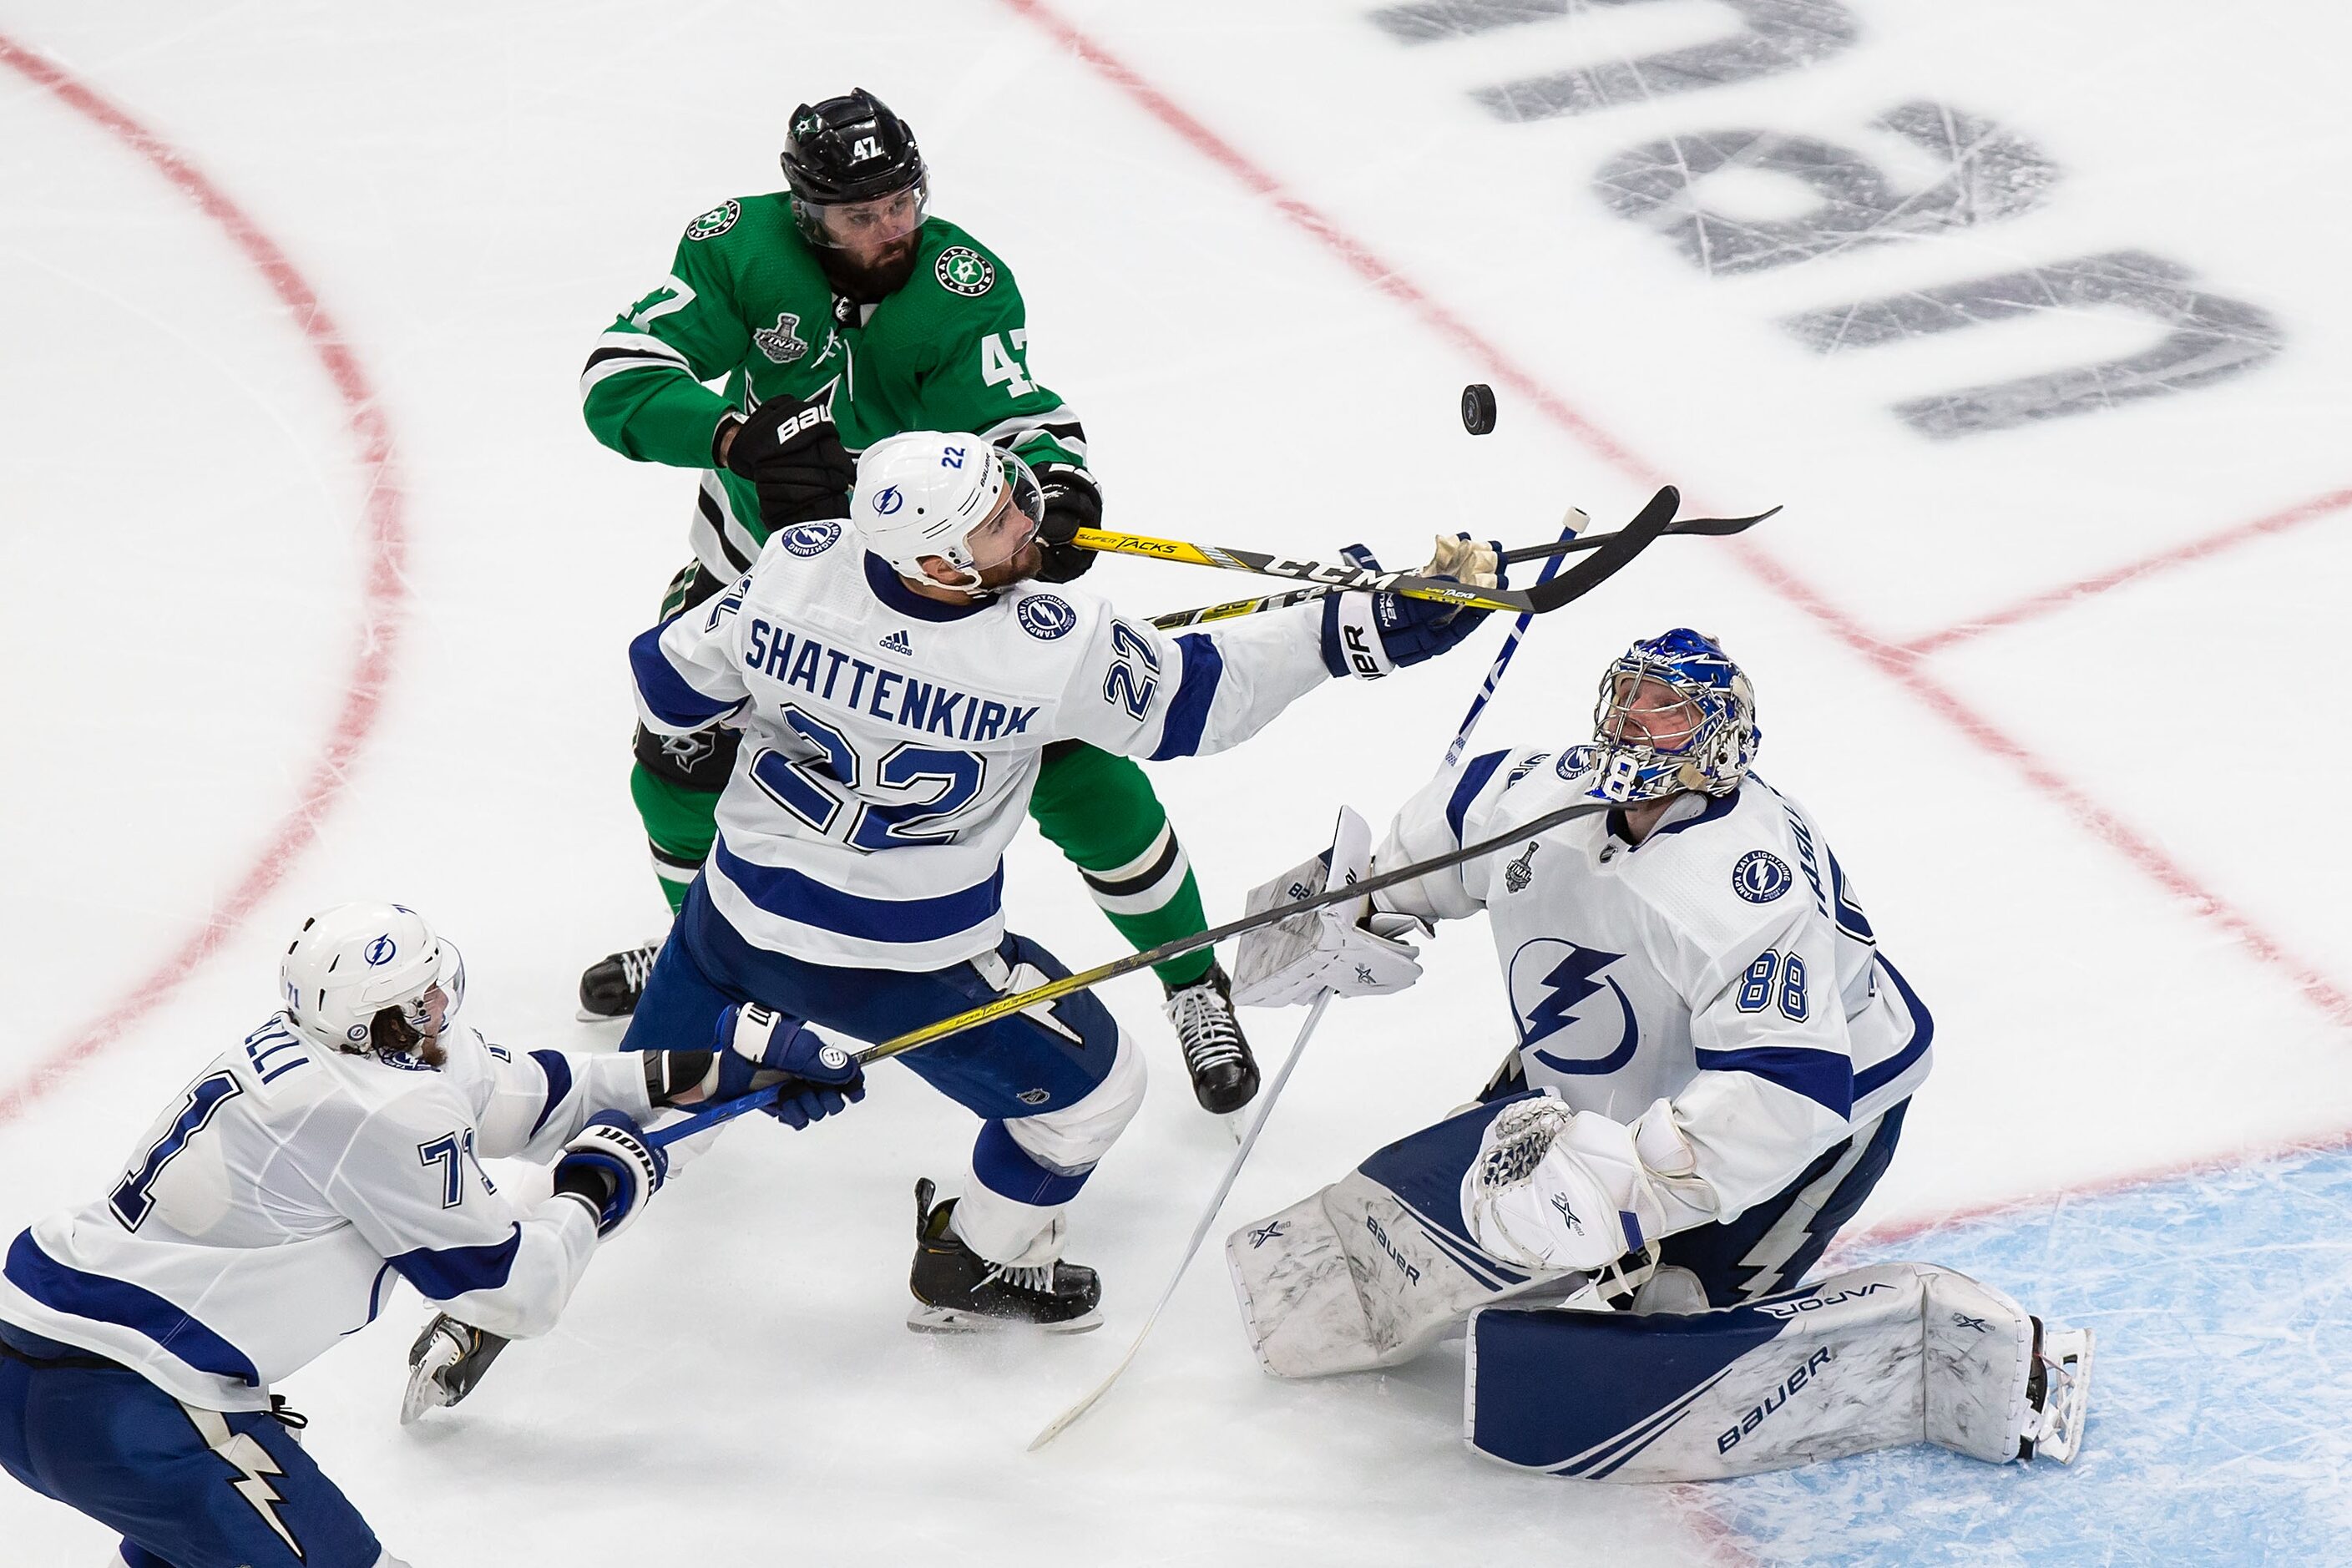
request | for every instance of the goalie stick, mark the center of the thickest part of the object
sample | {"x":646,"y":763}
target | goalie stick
{"x":1704,"y":527}
{"x":1620,"y":547}
{"x":1087,"y":979}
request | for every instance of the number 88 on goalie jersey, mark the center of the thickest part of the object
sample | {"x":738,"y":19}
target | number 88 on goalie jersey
{"x":1724,"y":964}
{"x":891,"y":741}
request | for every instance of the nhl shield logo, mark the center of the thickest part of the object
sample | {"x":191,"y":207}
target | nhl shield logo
{"x":963,"y":270}
{"x":781,"y":342}
{"x":715,"y":222}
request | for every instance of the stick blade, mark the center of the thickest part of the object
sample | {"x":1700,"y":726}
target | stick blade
{"x":1610,"y":558}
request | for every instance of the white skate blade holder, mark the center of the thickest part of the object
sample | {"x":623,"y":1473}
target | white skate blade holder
{"x":2065,"y":1403}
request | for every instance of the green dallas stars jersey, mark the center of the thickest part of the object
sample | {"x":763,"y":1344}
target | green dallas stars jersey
{"x":746,"y":300}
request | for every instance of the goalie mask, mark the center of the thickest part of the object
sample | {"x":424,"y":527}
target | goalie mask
{"x":954,"y":498}
{"x":350,"y":965}
{"x":1675,"y":714}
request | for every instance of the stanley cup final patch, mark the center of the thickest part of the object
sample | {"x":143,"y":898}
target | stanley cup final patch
{"x":960,"y":269}
{"x":781,"y":342}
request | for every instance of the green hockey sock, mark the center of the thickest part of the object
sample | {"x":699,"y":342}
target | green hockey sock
{"x":680,"y":824}
{"x":1101,"y":812}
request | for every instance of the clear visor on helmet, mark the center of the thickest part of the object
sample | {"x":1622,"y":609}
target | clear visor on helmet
{"x":863,"y":225}
{"x":1638,"y":710}
{"x":429,"y":1012}
{"x":1013,"y":522}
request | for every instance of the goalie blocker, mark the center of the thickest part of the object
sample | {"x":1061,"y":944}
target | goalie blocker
{"x":1374,"y":1269}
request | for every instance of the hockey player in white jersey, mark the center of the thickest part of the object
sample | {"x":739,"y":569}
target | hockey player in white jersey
{"x":1712,"y":1069}
{"x":270,"y":1209}
{"x":895,"y":676}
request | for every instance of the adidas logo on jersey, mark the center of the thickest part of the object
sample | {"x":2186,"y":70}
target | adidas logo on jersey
{"x":897,"y":642}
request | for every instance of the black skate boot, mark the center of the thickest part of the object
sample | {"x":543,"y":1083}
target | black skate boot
{"x":609,"y":988}
{"x":958,"y":1291}
{"x":1224,"y":1074}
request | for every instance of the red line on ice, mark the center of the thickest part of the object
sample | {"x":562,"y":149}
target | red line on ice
{"x":383,"y":599}
{"x":2054,"y":599}
{"x":1898,"y":663}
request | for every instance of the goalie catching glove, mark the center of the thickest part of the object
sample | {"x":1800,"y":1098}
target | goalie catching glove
{"x":1369,"y":634}
{"x":1556,"y":1188}
{"x":1331,"y":949}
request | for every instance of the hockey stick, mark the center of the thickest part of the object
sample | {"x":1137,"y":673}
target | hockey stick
{"x":1618,"y":549}
{"x":1569,"y":525}
{"x":1707,"y":527}
{"x":1200,"y":1232}
{"x":711,"y":1116}
{"x":1411,"y":585}
{"x":1055,"y":990}
{"x":1062,"y":1423}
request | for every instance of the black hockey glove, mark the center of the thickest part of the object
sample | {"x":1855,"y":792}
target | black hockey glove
{"x":1073,"y":501}
{"x":793,"y":452}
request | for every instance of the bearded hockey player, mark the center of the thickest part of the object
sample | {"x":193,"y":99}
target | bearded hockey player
{"x":1713,"y":1066}
{"x":841,"y":311}
{"x":898,"y":681}
{"x":267,"y":1211}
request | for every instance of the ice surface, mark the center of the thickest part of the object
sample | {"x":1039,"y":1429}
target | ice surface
{"x":2099,"y":840}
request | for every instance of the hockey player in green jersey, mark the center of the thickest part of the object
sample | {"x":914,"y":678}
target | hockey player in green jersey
{"x":839,"y":312}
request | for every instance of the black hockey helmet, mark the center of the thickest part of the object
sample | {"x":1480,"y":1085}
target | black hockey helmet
{"x":850,"y":149}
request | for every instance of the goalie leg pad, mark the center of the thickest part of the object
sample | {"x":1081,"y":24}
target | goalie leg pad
{"x":1372,"y":1270}
{"x":1876,"y":1358}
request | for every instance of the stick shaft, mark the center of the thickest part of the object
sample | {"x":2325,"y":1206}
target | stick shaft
{"x":1708,"y":527}
{"x":1569,"y":525}
{"x":1200,"y":1232}
{"x":712,"y":1115}
{"x":1411,"y":585}
{"x":1052,"y":990}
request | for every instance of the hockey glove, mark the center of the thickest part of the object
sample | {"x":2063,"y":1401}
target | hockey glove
{"x":1369,"y":634}
{"x":609,"y":1166}
{"x":1295,"y":960}
{"x":758,"y":1046}
{"x":1554,"y":1188}
{"x":1073,"y":501}
{"x":793,"y":452}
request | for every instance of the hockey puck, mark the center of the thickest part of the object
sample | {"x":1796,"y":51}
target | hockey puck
{"x":1478,"y":408}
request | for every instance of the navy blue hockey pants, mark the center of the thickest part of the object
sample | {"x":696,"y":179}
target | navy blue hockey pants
{"x":1007,"y":1070}
{"x":187,"y":1488}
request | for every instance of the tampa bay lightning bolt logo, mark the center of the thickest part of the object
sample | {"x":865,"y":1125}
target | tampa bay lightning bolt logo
{"x":1563,"y":1000}
{"x":380,"y":951}
{"x":811,"y":538}
{"x":1045,"y":618}
{"x":1761,"y":876}
{"x":888,"y":500}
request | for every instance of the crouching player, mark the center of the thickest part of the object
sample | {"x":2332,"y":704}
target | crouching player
{"x":264,"y":1215}
{"x":1713,"y":1064}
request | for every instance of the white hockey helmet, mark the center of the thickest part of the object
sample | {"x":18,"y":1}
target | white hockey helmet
{"x":924,"y":494}
{"x":350,"y":962}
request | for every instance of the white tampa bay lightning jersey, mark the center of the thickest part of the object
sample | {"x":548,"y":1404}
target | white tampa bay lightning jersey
{"x":890,"y":741}
{"x":1723,"y":966}
{"x":268,"y":1210}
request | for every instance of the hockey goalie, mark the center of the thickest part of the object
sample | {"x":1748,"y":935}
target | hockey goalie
{"x":1713,"y":1064}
